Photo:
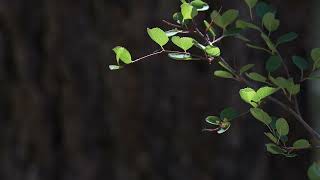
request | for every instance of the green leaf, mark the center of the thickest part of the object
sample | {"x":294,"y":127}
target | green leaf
{"x":225,"y":125}
{"x":200,"y":5}
{"x":256,"y":77}
{"x":269,"y":43}
{"x":262,"y":8}
{"x":173,"y":32}
{"x":261,"y":115}
{"x":184,"y":43}
{"x":270,"y":22}
{"x":222,"y":64}
{"x":246,"y":68}
{"x":179,"y":56}
{"x":210,"y":28}
{"x":223,"y":74}
{"x":213,"y":51}
{"x":188,"y":11}
{"x":257,"y":47}
{"x":114,"y":67}
{"x":315,"y":55}
{"x":314,"y":171}
{"x":225,"y":19}
{"x":213,"y":120}
{"x":300,"y":62}
{"x":279,"y":81}
{"x":177,"y":17}
{"x":282,"y":127}
{"x":122,"y":54}
{"x":301,"y":144}
{"x":273,"y":63}
{"x":251,"y":3}
{"x":247,"y":95}
{"x":271,"y":137}
{"x":246,"y":25}
{"x":158,"y":36}
{"x":287,"y":38}
{"x":264,"y":92}
{"x":228,"y":113}
{"x":229,"y":17}
{"x":198,"y":45}
{"x":274,"y":149}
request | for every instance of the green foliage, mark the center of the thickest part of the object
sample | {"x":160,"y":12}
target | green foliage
{"x":122,"y":54}
{"x":301,"y":144}
{"x":287,"y":38}
{"x":314,"y":171}
{"x":184,"y":43}
{"x":282,"y":127}
{"x":300,"y":62}
{"x":223,"y":74}
{"x":261,"y":115}
{"x":158,"y":36}
{"x":270,"y":22}
{"x":212,"y":51}
{"x":246,"y":68}
{"x":273,"y":63}
{"x":225,"y":19}
{"x":226,"y":24}
{"x":188,"y":11}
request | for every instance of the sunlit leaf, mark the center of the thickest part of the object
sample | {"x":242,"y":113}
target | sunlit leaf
{"x":158,"y":36}
{"x":122,"y":54}
{"x":261,"y":115}
{"x":223,"y":74}
{"x":184,"y":43}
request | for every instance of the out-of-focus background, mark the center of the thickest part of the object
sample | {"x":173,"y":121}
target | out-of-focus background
{"x":65,"y":116}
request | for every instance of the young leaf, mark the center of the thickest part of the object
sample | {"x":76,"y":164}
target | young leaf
{"x":264,"y":92}
{"x":122,"y":54}
{"x":158,"y":36}
{"x":301,"y":144}
{"x":270,"y":22}
{"x":213,"y":51}
{"x":188,"y":11}
{"x":225,"y":19}
{"x":228,"y":113}
{"x":184,"y":43}
{"x":209,"y":27}
{"x":314,"y":171}
{"x":173,"y":32}
{"x":213,"y":120}
{"x":273,"y":63}
{"x":246,"y":68}
{"x":114,"y":67}
{"x":179,"y":56}
{"x":262,"y":8}
{"x":261,"y":115}
{"x":251,"y":3}
{"x":256,"y":77}
{"x":300,"y":62}
{"x":246,"y":25}
{"x":177,"y":17}
{"x":223,"y":74}
{"x":269,"y":43}
{"x":282,"y":127}
{"x":287,"y":38}
{"x":200,"y":5}
{"x":247,"y":95}
{"x":315,"y":55}
{"x":229,"y":17}
{"x":271,"y":137}
{"x":224,"y":127}
{"x":274,"y":149}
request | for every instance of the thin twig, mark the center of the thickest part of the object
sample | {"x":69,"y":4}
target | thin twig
{"x":171,"y":24}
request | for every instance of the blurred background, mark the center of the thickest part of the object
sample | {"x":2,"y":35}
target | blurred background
{"x":65,"y":116}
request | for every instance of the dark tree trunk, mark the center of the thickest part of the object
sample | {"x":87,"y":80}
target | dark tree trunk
{"x":64,"y":116}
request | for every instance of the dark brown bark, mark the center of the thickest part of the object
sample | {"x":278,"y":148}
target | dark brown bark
{"x":64,"y":116}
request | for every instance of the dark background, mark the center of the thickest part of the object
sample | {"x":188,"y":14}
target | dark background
{"x":64,"y":116}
